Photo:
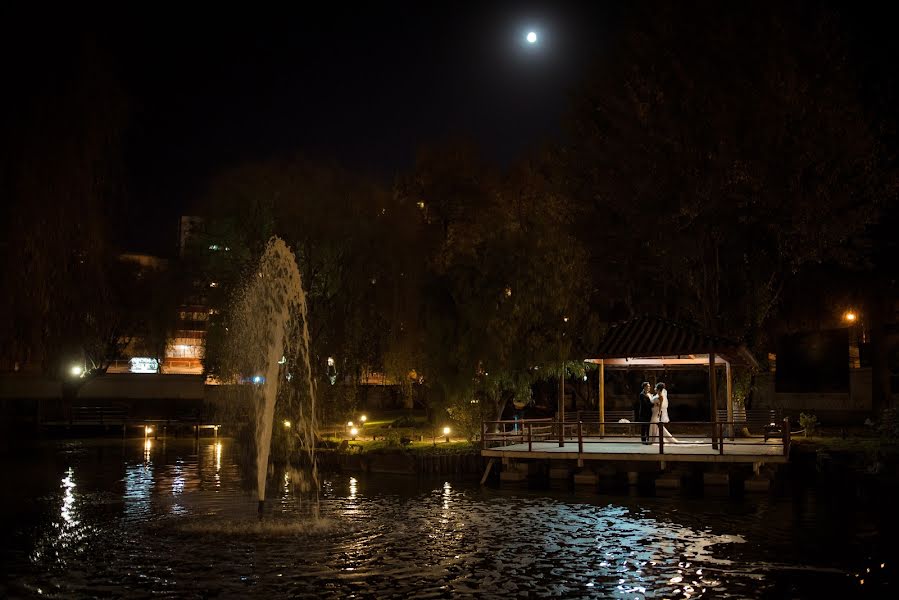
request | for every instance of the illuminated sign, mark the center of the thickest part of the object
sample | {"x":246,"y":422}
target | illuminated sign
{"x":144,"y":365}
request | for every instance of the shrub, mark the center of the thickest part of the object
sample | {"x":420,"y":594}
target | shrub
{"x":393,"y":439}
{"x":808,"y":423}
{"x":888,"y":426}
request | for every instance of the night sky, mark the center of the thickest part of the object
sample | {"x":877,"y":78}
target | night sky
{"x":364,"y":86}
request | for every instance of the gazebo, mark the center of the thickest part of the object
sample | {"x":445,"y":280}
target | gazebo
{"x":654,"y":342}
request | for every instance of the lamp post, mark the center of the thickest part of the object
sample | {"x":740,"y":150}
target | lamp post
{"x":852,"y":318}
{"x":446,"y":432}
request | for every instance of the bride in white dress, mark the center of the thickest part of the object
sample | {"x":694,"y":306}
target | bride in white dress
{"x":660,"y":415}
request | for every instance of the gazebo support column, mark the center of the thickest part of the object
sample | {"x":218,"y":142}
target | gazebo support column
{"x":602,"y":398}
{"x":562,"y":407}
{"x":729,"y":382}
{"x":713,"y":392}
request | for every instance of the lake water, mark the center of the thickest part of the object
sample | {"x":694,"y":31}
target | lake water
{"x":173,"y":519}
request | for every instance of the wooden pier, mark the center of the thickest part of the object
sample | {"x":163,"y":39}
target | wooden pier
{"x":568,"y":446}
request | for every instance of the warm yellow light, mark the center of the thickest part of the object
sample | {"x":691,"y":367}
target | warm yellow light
{"x":363,"y":418}
{"x":287,"y":424}
{"x":349,"y":423}
{"x":76,"y":371}
{"x":850,"y":316}
{"x":446,"y":431}
{"x":354,"y":431}
{"x":148,"y":430}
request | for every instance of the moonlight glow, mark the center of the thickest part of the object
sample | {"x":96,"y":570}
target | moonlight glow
{"x":531,"y":37}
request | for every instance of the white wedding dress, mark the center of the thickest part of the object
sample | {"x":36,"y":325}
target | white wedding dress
{"x":660,"y":415}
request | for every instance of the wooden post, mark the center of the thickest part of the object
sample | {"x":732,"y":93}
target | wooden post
{"x":720,"y":439}
{"x":580,"y":437}
{"x":730,"y":400}
{"x":713,"y":392}
{"x":562,"y":407}
{"x":661,"y":437}
{"x":602,"y":397}
{"x":530,"y":438}
{"x":786,"y":436}
{"x":487,"y":470}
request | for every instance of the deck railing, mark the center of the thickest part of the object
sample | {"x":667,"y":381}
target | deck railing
{"x":577,"y":433}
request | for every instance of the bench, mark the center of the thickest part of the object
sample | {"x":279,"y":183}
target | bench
{"x":591,"y":422}
{"x":98,"y":415}
{"x":766,"y":420}
{"x":512,"y":432}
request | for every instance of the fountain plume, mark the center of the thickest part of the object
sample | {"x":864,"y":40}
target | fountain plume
{"x":267,"y":348}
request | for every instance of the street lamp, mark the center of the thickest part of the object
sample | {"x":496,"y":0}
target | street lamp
{"x":363,"y":418}
{"x":76,"y":371}
{"x":354,"y":432}
{"x":446,"y":432}
{"x":850,"y":316}
{"x":287,"y":424}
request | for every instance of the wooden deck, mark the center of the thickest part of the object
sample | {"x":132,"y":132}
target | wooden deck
{"x":750,"y":450}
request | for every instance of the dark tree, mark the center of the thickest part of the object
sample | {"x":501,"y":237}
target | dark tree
{"x":719,"y":151}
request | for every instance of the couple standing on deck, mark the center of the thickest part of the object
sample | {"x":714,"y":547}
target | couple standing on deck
{"x":654,"y":409}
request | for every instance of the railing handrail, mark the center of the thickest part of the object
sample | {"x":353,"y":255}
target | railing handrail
{"x":544,"y":429}
{"x":576,"y":421}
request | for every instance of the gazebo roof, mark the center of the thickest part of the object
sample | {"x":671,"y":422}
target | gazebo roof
{"x":655,"y":337}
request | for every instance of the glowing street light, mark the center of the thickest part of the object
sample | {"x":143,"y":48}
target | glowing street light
{"x":349,"y":423}
{"x":363,"y":418}
{"x":850,"y":316}
{"x":76,"y":371}
{"x":354,"y":432}
{"x":287,"y":424}
{"x":446,"y":432}
{"x":531,"y":37}
{"x":147,"y":430}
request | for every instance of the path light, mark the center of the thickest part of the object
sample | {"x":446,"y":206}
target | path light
{"x":287,"y":424}
{"x":76,"y":371}
{"x":354,"y":432}
{"x":446,"y":432}
{"x":363,"y":418}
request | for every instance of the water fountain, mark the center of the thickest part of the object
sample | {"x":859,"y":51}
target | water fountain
{"x":268,"y":350}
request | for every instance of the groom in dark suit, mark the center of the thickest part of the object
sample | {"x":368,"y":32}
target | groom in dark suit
{"x":643,"y":411}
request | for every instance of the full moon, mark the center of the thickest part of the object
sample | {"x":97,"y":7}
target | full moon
{"x":532,"y":37}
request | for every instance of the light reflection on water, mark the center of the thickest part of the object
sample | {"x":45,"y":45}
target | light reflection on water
{"x":174,"y":518}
